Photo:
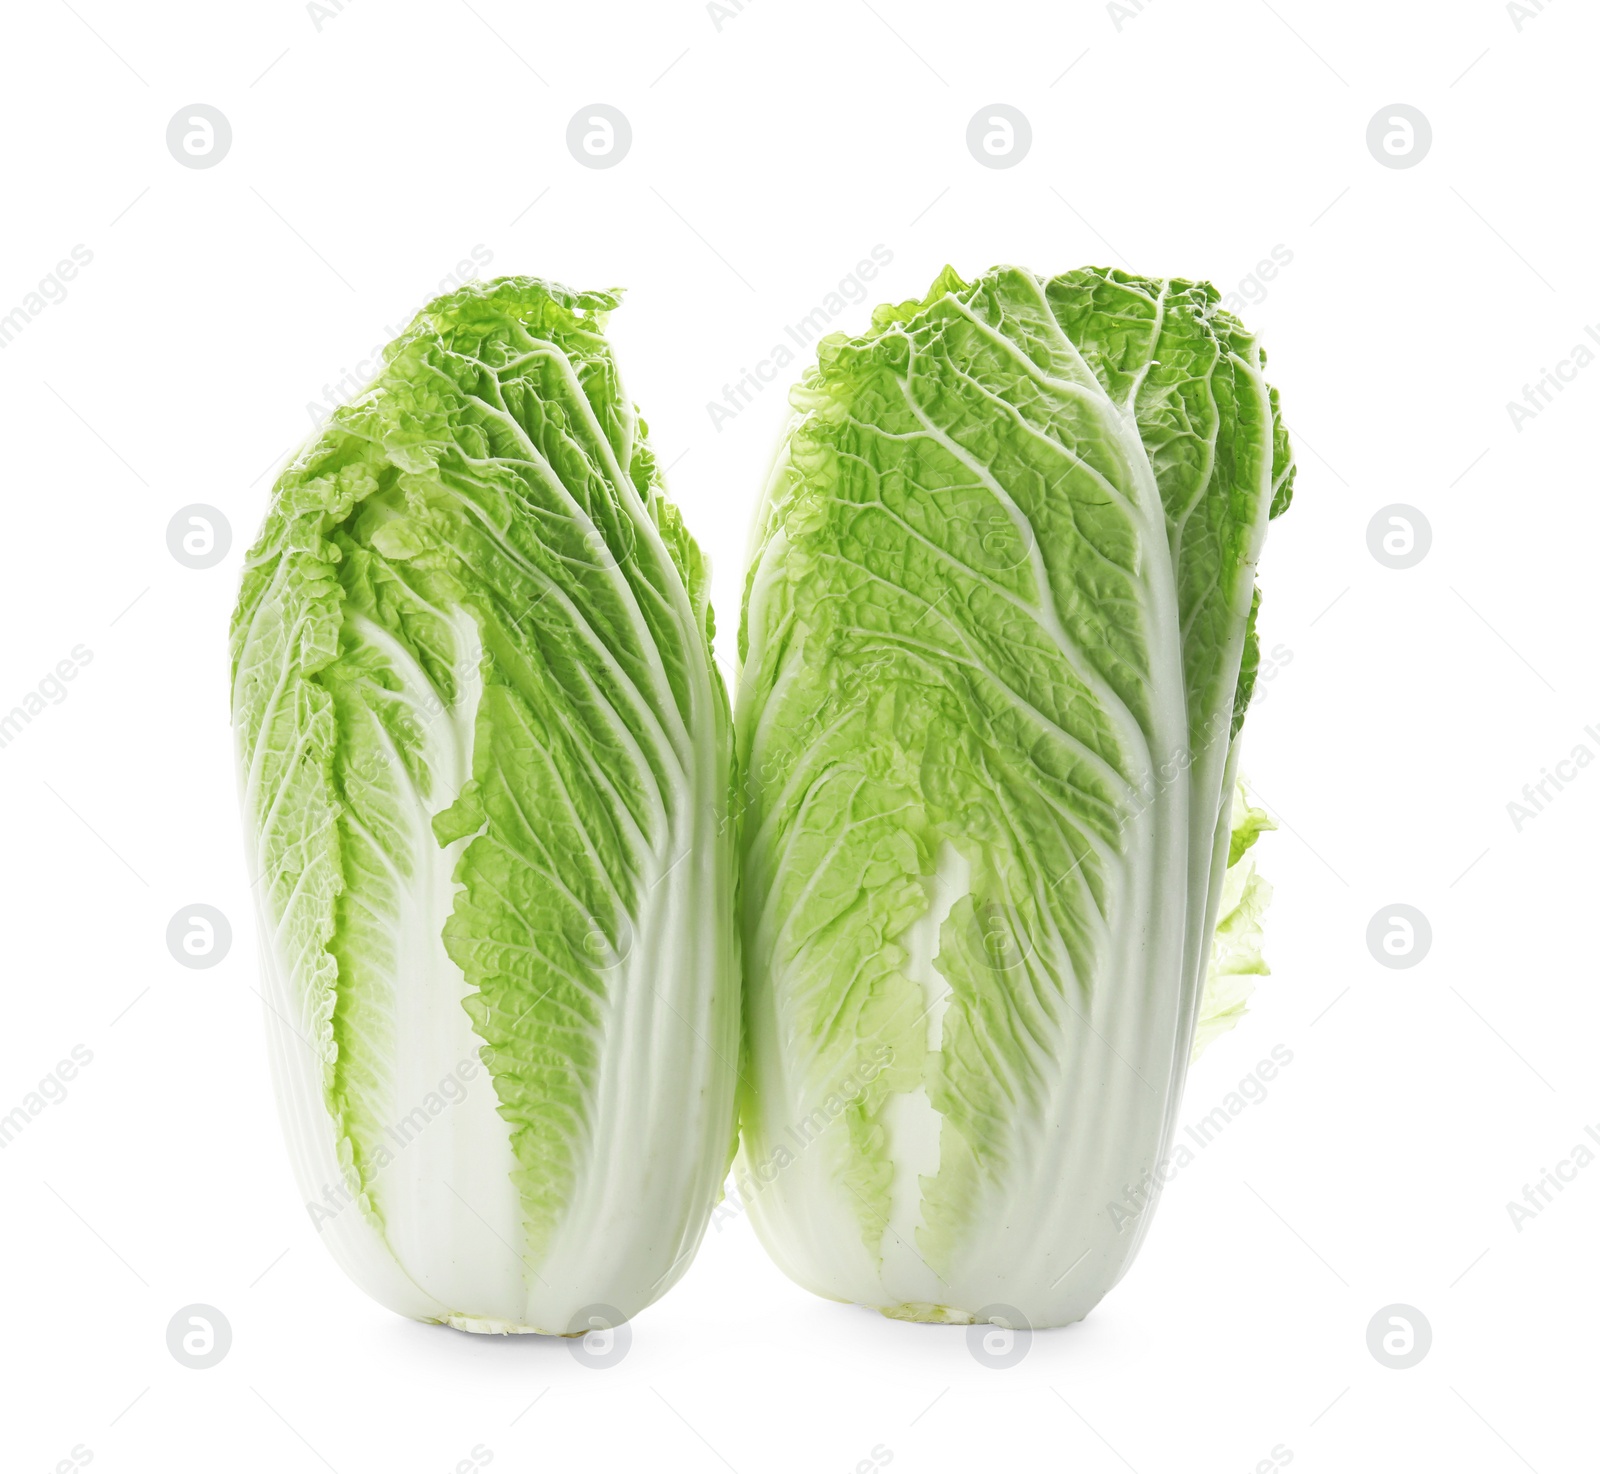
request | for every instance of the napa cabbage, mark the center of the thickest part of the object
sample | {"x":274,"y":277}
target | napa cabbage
{"x":997,"y":646}
{"x":485,"y":766}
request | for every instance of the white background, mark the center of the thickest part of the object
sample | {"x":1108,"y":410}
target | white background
{"x":369,"y":156}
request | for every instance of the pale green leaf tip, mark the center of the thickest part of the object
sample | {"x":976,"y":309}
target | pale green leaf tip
{"x":1236,"y":954}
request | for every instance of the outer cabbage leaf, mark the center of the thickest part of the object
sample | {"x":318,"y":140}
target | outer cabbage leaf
{"x":1236,"y":959}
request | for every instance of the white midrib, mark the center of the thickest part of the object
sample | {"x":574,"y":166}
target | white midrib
{"x":912,"y":1123}
{"x":650,"y":1161}
{"x":1079,"y":1138}
{"x":1212,"y":779}
{"x":450,"y":1213}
